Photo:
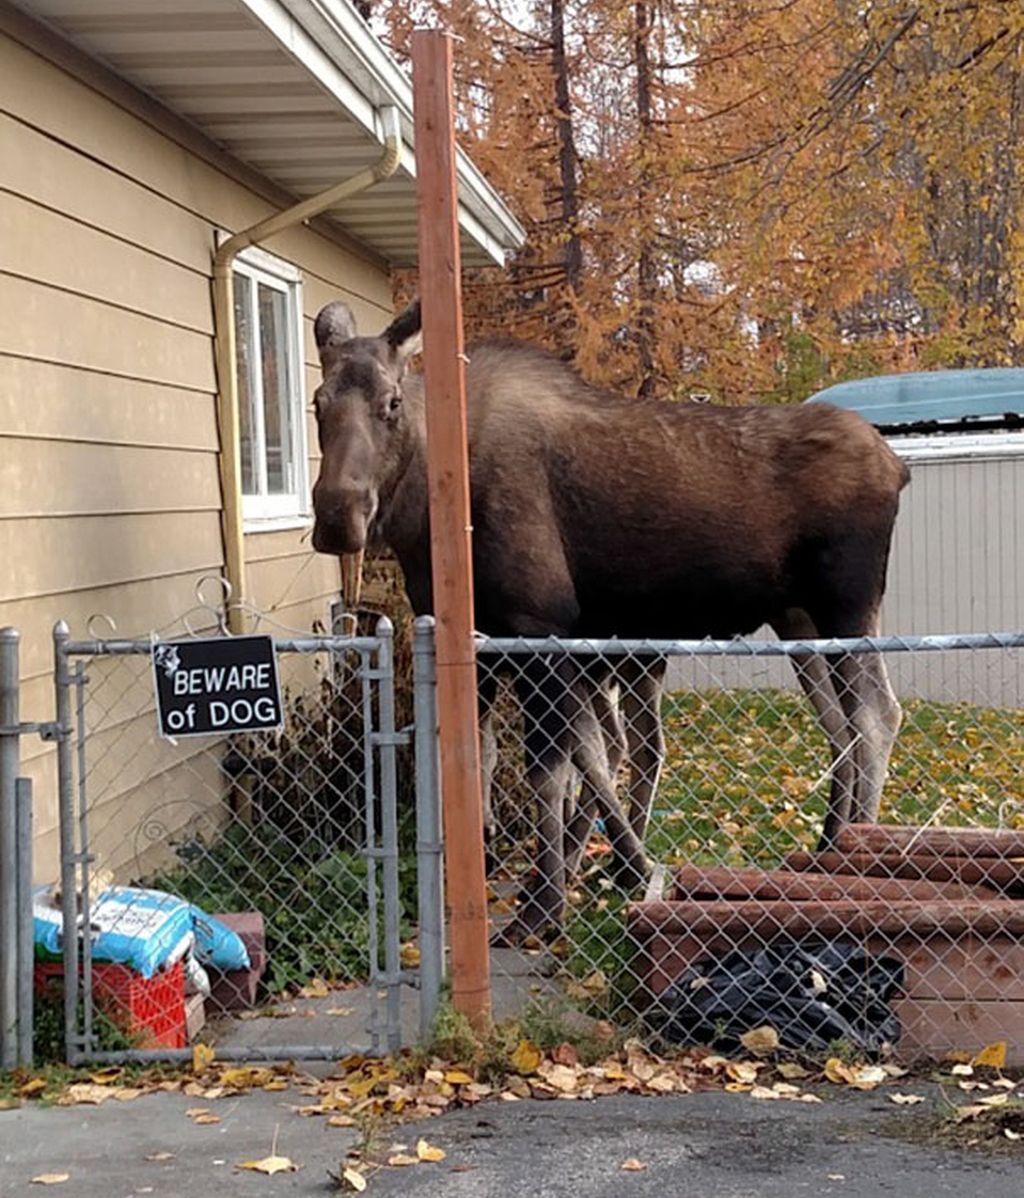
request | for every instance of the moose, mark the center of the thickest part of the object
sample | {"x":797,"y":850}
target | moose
{"x":596,"y":515}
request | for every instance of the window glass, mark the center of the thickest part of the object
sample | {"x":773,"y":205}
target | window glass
{"x":268,"y":332}
{"x":277,"y":411}
{"x":246,"y":351}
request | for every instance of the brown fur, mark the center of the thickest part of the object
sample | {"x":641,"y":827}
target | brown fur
{"x":596,"y":515}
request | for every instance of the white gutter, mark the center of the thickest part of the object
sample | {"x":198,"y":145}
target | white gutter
{"x":225,"y":346}
{"x":956,"y":446}
{"x":331,"y":40}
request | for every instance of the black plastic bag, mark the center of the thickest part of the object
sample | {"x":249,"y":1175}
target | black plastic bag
{"x":812,"y":992}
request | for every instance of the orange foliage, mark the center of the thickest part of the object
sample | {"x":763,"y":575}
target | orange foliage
{"x":822,"y":189}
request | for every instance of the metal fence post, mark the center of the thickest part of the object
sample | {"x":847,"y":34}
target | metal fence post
{"x":26,"y":939}
{"x":429,"y":844}
{"x":68,"y":859}
{"x":387,"y":740}
{"x":9,"y":766}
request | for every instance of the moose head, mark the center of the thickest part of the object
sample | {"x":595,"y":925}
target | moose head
{"x":362,"y":422}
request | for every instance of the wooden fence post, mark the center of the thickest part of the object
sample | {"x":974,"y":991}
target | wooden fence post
{"x":450,"y":531}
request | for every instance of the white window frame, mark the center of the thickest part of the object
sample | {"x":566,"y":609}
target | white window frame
{"x":263,"y":512}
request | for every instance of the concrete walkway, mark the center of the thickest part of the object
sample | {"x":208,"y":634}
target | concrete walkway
{"x":709,"y":1145}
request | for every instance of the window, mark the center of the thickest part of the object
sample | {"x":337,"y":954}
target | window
{"x":268,"y":332}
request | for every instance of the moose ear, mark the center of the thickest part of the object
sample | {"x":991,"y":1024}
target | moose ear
{"x":334,"y":325}
{"x":404,"y":334}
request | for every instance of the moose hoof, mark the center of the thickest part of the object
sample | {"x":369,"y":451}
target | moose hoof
{"x":631,"y":875}
{"x":524,"y":932}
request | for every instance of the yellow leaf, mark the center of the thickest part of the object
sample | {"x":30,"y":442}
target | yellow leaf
{"x":85,"y":1092}
{"x":791,"y":1071}
{"x":410,"y":956}
{"x":246,"y":1076}
{"x":202,"y":1057}
{"x":906,"y":1099}
{"x":160,"y":1156}
{"x":342,"y":1011}
{"x":270,"y":1165}
{"x":104,"y":1077}
{"x":838,"y":1072}
{"x":428,"y":1152}
{"x":355,"y":1179}
{"x":458,"y":1078}
{"x":341,"y":1121}
{"x":401,"y":1159}
{"x":317,"y":988}
{"x":200,"y":1114}
{"x":742,"y":1071}
{"x":35,"y":1086}
{"x":50,"y":1179}
{"x":526,"y":1058}
{"x":992,"y":1055}
{"x":738,"y":1087}
{"x":632,"y":1165}
{"x":760,"y":1040}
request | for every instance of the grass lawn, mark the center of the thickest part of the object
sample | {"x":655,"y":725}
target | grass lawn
{"x":746,"y":774}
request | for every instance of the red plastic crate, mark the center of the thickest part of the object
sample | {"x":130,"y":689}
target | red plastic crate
{"x":150,"y":1011}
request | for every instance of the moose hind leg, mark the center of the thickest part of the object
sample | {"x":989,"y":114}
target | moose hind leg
{"x":642,"y":683}
{"x":814,"y":674}
{"x":603,"y":726}
{"x":630,"y":866}
{"x":875,"y":716}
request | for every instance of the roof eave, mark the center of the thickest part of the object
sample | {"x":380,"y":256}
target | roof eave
{"x":333,"y":42}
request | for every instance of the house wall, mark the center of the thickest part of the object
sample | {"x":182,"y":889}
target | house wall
{"x":108,"y":439}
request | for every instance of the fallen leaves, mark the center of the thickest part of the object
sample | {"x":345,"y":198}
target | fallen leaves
{"x":270,"y":1165}
{"x":50,"y":1179}
{"x":907,"y":1099}
{"x":202,"y":1057}
{"x":860,"y":1077}
{"x":317,"y":988}
{"x":202,"y":1115}
{"x":353,"y":1179}
{"x":91,"y":1094}
{"x":761,"y":1041}
{"x":429,"y":1152}
{"x":632,"y":1165}
{"x":525,"y":1057}
{"x":992,"y":1055}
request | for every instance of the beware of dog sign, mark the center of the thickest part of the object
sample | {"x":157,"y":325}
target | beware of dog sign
{"x":215,"y":686}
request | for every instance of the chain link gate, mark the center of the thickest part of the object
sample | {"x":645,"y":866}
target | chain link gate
{"x":322,"y":831}
{"x":711,"y":756}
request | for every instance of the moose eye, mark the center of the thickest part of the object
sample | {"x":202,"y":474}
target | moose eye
{"x":394,"y":403}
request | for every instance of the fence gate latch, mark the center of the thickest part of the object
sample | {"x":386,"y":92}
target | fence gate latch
{"x":389,"y":738}
{"x":47,"y":730}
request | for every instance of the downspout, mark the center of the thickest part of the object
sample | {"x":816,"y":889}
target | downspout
{"x":228,"y":421}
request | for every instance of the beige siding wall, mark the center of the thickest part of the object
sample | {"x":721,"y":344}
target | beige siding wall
{"x":108,"y":441}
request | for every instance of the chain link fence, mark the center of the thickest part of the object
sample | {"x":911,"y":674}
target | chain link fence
{"x":295,"y":855}
{"x":659,"y":846}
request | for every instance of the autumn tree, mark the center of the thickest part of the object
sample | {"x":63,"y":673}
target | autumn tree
{"x":751,"y":198}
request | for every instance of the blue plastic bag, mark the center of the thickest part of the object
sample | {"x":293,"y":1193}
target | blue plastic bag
{"x":216,"y":943}
{"x":144,"y":929}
